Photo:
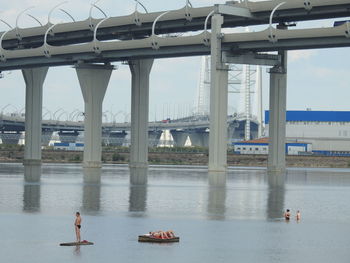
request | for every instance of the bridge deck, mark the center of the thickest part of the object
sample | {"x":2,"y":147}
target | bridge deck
{"x":67,"y":46}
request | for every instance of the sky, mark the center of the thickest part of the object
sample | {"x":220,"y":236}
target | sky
{"x":317,"y":79}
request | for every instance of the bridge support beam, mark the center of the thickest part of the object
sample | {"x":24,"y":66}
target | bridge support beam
{"x":277,"y":123}
{"x":93,"y":81}
{"x":218,"y":101}
{"x":34,"y":79}
{"x":140,"y":71}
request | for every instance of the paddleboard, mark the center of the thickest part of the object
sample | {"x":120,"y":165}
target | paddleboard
{"x":82,"y":243}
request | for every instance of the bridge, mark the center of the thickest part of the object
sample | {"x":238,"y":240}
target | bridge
{"x":92,"y":45}
{"x":195,"y":127}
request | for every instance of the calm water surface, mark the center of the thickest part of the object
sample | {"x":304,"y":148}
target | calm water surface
{"x":234,"y":221}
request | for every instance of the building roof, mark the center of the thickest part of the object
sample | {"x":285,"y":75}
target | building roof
{"x":321,"y":116}
{"x":260,"y":140}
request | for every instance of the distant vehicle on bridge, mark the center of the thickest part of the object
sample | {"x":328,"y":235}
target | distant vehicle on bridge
{"x":168,"y":120}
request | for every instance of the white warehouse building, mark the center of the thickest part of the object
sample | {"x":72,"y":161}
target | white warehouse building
{"x":327,"y":131}
{"x":261,"y":146}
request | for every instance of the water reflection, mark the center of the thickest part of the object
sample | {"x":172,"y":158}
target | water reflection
{"x":32,"y":172}
{"x":77,"y":251}
{"x":216,"y":196}
{"x":137,"y":198}
{"x":31,"y":197}
{"x":138,"y":175}
{"x":92,"y":175}
{"x":91,"y":190}
{"x":276,"y":195}
{"x":138,"y":190}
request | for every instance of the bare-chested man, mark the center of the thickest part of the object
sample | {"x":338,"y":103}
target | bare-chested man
{"x":287,"y":215}
{"x":77,"y":225}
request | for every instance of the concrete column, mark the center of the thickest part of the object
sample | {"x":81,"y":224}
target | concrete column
{"x":34,"y":79}
{"x":93,"y":81}
{"x":277,"y":125}
{"x":218,"y":101}
{"x":140,"y":71}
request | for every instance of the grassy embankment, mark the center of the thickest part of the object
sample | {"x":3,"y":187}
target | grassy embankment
{"x":176,"y":155}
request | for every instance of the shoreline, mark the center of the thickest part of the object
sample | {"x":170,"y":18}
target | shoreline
{"x":179,"y":158}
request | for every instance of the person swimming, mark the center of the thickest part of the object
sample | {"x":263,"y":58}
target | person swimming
{"x":287,"y":215}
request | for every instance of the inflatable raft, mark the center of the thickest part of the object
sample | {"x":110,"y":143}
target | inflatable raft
{"x":149,"y":238}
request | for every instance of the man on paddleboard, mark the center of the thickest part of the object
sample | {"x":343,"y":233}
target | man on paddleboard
{"x":77,"y":225}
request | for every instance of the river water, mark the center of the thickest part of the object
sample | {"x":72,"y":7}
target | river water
{"x":218,"y":219}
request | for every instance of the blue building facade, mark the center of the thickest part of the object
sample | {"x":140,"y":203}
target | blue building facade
{"x":327,"y":131}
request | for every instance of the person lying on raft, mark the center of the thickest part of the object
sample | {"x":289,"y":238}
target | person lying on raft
{"x":163,"y":234}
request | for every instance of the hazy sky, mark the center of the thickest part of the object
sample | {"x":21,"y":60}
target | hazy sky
{"x":317,"y":79}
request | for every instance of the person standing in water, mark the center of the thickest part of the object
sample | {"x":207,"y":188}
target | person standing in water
{"x":287,"y":215}
{"x":298,"y":216}
{"x":77,"y":225}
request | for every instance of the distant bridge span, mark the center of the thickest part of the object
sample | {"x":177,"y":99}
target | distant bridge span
{"x":69,"y":130}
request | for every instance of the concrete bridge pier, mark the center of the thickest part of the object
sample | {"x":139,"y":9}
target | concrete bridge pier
{"x":46,"y":137}
{"x":34,"y":79}
{"x":140,"y":71}
{"x":199,"y":137}
{"x":93,"y":81}
{"x":154,"y":137}
{"x":68,"y":136}
{"x":179,"y":137}
{"x":116,"y":138}
{"x":10,"y":138}
{"x":277,"y":125}
{"x":218,"y":101}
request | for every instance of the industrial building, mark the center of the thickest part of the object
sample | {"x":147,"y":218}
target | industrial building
{"x":261,"y":146}
{"x":327,"y":131}
{"x":68,"y":146}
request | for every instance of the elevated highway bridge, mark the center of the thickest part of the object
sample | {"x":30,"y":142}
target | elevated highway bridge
{"x":139,"y":38}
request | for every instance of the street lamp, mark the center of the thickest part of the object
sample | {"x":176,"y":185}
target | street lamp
{"x":47,"y":112}
{"x":57,"y":111}
{"x":3,"y":108}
